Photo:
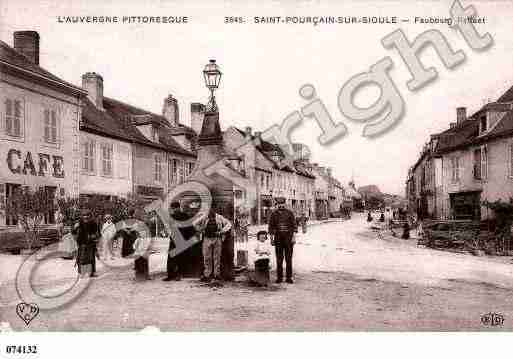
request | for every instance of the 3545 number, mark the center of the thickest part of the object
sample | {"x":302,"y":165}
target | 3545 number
{"x":21,"y":349}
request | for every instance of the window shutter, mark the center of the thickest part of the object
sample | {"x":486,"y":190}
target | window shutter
{"x":47,"y":125}
{"x":484,"y":162}
{"x":92,"y":146}
{"x":54,"y":127}
{"x":17,"y":118}
{"x":8,"y":116}
{"x":122,"y":165}
{"x":511,"y":159}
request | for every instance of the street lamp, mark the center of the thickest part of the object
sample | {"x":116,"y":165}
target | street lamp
{"x":212,"y":76}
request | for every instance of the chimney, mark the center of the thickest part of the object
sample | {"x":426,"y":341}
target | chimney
{"x":258,"y":139}
{"x":461,"y":114}
{"x":93,"y":84}
{"x":170,"y":111}
{"x":197,"y":116}
{"x":247,"y":132}
{"x":27,"y":43}
{"x":452,"y":125}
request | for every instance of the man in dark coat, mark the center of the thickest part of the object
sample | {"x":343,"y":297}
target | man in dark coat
{"x":87,"y":234}
{"x":282,"y":226}
{"x":173,"y":270}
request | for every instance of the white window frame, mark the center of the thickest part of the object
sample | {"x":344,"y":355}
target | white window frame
{"x":88,"y":157}
{"x":106,"y":148}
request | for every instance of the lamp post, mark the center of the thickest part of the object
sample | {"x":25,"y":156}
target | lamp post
{"x":212,"y":75}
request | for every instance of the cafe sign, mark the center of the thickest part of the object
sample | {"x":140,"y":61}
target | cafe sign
{"x":39,"y":164}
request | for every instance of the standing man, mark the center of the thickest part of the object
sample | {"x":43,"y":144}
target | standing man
{"x":87,"y":233}
{"x":213,"y":227}
{"x":282,"y":226}
{"x":173,"y":270}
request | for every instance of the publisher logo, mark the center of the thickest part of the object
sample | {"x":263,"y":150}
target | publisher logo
{"x":492,"y":319}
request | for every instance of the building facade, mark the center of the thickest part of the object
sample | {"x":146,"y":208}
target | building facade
{"x":467,"y":165}
{"x":39,"y":126}
{"x":128,"y":150}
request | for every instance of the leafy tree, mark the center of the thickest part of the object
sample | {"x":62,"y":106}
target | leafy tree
{"x":503,"y":212}
{"x":28,"y":208}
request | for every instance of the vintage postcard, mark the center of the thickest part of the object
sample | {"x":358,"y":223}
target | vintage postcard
{"x":274,"y":166}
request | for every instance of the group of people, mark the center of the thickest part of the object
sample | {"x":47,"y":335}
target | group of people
{"x":92,"y":240}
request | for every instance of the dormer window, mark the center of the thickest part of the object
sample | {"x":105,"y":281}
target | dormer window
{"x":483,"y":124}
{"x":154,"y":134}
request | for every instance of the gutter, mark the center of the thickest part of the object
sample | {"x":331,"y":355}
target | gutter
{"x":35,"y":74}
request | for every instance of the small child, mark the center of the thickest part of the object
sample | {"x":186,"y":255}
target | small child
{"x":263,"y":251}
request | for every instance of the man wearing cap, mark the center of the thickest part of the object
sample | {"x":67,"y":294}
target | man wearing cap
{"x":282,"y":226}
{"x":187,"y":232}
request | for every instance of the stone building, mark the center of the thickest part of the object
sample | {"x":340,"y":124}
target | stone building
{"x":125,"y":149}
{"x":271,"y":172}
{"x":39,"y":125}
{"x":469,"y":163}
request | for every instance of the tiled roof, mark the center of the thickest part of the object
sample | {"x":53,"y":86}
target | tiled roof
{"x":458,"y":136}
{"x":507,"y":96}
{"x":503,"y":128}
{"x":116,"y":121}
{"x":12,"y":57}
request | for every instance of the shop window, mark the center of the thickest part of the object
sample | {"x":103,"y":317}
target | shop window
{"x":50,"y":126}
{"x":14,"y":117}
{"x":10,"y":190}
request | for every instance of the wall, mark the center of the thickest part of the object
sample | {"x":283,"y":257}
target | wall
{"x":64,"y":153}
{"x":120,"y":183}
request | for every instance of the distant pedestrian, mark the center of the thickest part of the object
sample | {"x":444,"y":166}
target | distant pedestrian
{"x":213,"y":228}
{"x":87,"y":237}
{"x":369,"y":217}
{"x":186,"y":231}
{"x":282,"y":227}
{"x":382,"y":217}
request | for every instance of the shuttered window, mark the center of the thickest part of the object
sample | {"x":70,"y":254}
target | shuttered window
{"x":455,"y":169}
{"x":50,"y":126}
{"x":106,"y":158}
{"x":13,"y":117}
{"x":158,"y":168}
{"x":123,"y":163}
{"x":88,"y":156}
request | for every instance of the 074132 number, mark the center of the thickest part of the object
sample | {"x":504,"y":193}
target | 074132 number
{"x":21,"y":349}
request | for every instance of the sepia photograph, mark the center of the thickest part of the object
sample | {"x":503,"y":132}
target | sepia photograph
{"x":275,"y":166}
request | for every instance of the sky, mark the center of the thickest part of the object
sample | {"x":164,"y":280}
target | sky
{"x":264,"y":66}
